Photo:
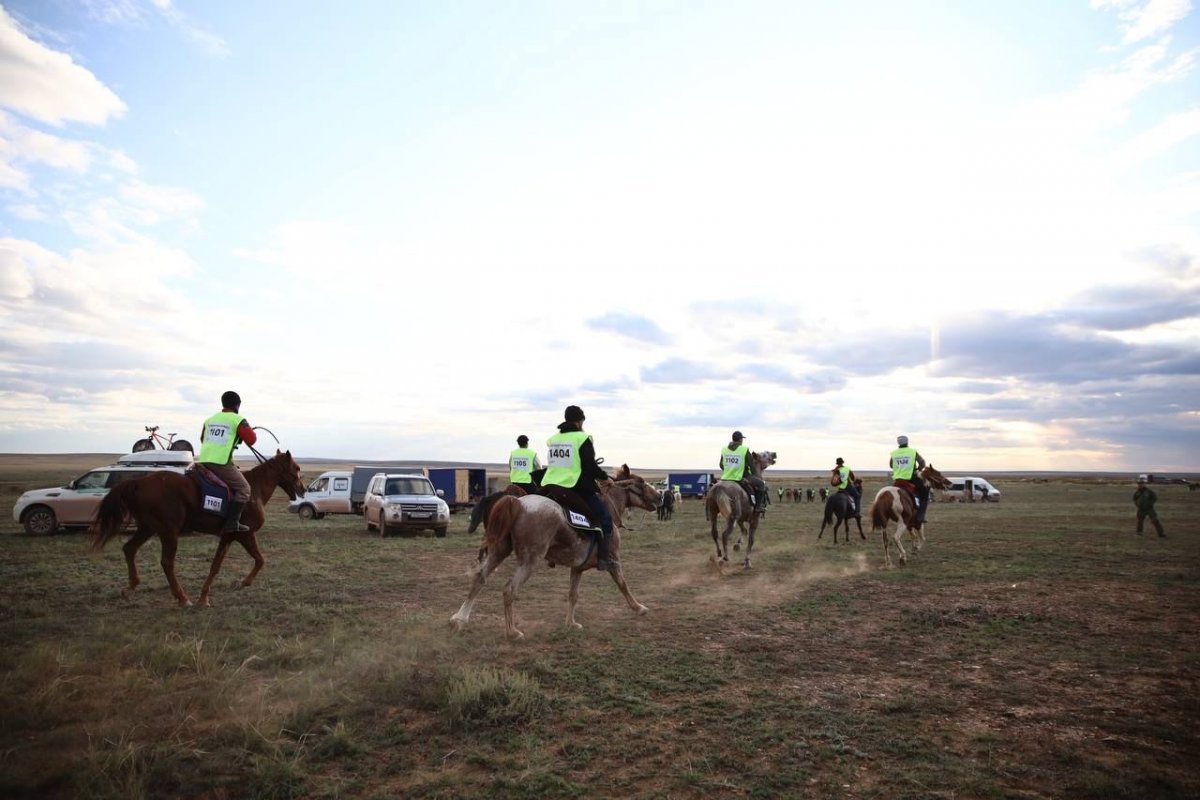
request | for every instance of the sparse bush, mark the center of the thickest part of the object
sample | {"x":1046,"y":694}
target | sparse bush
{"x":485,"y":696}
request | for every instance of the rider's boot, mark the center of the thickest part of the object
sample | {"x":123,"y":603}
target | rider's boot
{"x":605,"y":560}
{"x":233,"y":522}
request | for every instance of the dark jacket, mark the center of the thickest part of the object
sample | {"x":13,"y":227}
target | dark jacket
{"x":592,"y":471}
{"x":1145,"y":498}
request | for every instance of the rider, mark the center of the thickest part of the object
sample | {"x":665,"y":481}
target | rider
{"x":738,"y":466}
{"x":906,"y":465}
{"x":521,"y":464}
{"x":220,"y":434}
{"x":849,"y":485}
{"x":571,"y":461}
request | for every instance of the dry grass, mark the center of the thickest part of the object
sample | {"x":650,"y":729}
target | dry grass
{"x":1035,"y":648}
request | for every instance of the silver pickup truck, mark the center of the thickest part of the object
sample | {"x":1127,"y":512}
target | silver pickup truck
{"x":397,"y":503}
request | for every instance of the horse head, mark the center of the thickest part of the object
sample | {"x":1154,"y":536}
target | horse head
{"x":638,"y":493}
{"x":934,"y":478}
{"x":765,"y":459}
{"x":287,"y":474}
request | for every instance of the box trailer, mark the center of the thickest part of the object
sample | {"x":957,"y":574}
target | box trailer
{"x":461,"y":487}
{"x":691,"y":484}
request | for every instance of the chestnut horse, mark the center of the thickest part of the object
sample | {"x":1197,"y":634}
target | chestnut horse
{"x":166,"y":504}
{"x":893,"y":504}
{"x":535,"y":528}
{"x":728,"y":498}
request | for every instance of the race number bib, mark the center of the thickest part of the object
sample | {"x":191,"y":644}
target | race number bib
{"x":733,"y":461}
{"x":212,"y":504}
{"x":217,"y":433}
{"x":560,"y":455}
{"x":903,"y":463}
{"x":579,"y":520}
{"x":520,"y":463}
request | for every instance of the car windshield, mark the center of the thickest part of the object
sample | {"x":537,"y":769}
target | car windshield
{"x":93,"y":480}
{"x":407,"y":486}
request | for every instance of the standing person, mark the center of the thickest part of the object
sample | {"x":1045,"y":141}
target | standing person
{"x":571,"y":464}
{"x":1145,"y":498}
{"x":848,"y":484}
{"x":521,"y":464}
{"x":906,"y":465}
{"x":221,"y":433}
{"x":737,"y":465}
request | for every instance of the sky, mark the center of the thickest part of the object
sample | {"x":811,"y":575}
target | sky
{"x":416,"y":230}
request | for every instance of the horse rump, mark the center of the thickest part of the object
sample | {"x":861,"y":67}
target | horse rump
{"x":500,"y":522}
{"x":114,"y":510}
{"x":880,"y":511}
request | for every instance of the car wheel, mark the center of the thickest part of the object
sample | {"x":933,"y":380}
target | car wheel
{"x":439,"y":533}
{"x":182,"y":444}
{"x":367,"y":517}
{"x":306,"y":512}
{"x":141,"y":445}
{"x":40,"y":521}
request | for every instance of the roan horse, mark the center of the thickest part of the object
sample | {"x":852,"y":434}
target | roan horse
{"x":479,"y":514}
{"x":535,"y":528}
{"x":838,"y":506}
{"x":728,"y":498}
{"x":166,"y":504}
{"x":893,"y":504}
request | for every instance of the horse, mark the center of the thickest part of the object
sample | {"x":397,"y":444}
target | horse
{"x":167,"y":504}
{"x":480,"y":511}
{"x":535,"y":528}
{"x":893,"y":504}
{"x":728,"y":498}
{"x":666,"y":506}
{"x":838,"y":505}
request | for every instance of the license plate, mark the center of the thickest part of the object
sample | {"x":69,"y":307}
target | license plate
{"x":420,"y":515}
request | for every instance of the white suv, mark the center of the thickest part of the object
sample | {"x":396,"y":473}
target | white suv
{"x":45,"y":511}
{"x":396,"y":503}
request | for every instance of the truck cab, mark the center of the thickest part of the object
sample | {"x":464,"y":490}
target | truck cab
{"x":328,"y":494}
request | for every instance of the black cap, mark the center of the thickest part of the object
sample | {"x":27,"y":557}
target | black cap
{"x":573,"y":414}
{"x":522,"y":440}
{"x":737,"y":436}
{"x":231,"y":400}
{"x":840,"y":460}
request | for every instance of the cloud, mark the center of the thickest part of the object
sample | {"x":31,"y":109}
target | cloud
{"x":1143,"y":20}
{"x":1129,"y":308}
{"x":679,"y":370}
{"x":633,"y":326}
{"x":136,"y":12}
{"x":48,"y":85}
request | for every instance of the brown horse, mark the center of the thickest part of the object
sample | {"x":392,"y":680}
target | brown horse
{"x":167,"y":504}
{"x":535,"y":528}
{"x":893,"y":504}
{"x":728,"y":498}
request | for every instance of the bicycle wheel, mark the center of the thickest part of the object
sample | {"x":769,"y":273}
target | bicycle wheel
{"x":143,"y":444}
{"x":182,"y":444}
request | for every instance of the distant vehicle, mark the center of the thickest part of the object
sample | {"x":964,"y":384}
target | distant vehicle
{"x":397,"y":503}
{"x":1165,"y":479}
{"x":168,"y":442}
{"x":461,"y":487}
{"x":978,"y":485}
{"x":328,"y":494}
{"x":45,"y":511}
{"x":691,"y":484}
{"x":361,"y":476}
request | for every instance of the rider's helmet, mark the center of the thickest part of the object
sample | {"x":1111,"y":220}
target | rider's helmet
{"x":522,"y":440}
{"x":839,"y":461}
{"x":231,"y":400}
{"x":902,"y":441}
{"x":737,"y":436}
{"x":573,"y":414}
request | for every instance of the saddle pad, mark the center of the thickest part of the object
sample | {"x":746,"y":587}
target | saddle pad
{"x":214,"y":493}
{"x":574,"y":507}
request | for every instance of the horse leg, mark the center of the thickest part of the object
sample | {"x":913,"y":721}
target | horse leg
{"x":170,"y":542}
{"x":887,"y":556}
{"x":750,"y":540}
{"x":573,"y":597}
{"x":901,"y":528}
{"x":218,"y":559}
{"x":618,"y":576}
{"x":463,"y":615}
{"x":519,"y":576}
{"x":250,"y":542}
{"x":716,"y":541}
{"x":725,"y":538}
{"x":858,"y":521}
{"x":130,"y":549}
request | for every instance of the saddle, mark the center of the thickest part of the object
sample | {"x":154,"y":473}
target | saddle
{"x":214,"y":492}
{"x":579,"y":514}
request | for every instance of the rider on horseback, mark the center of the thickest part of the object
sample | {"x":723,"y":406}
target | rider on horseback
{"x":220,"y":435}
{"x":906,"y":465}
{"x":848,"y":484}
{"x":738,"y":466}
{"x":521,"y":464}
{"x":572,"y":464}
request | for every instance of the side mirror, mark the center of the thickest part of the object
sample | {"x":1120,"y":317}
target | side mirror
{"x":70,"y":485}
{"x":441,"y":493}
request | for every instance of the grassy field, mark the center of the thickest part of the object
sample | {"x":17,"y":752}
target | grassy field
{"x":1036,"y":648}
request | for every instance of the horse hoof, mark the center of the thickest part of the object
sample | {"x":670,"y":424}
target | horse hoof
{"x":458,"y":623}
{"x":127,"y":594}
{"x":185,"y":603}
{"x":577,"y":626}
{"x":736,"y":547}
{"x":642,"y":610}
{"x":515,"y":634}
{"x":205,"y":602}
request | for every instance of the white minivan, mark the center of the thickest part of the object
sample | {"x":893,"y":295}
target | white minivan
{"x":981,"y":488}
{"x":328,"y":494}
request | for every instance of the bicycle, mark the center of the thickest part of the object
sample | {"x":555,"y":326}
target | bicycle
{"x":155,"y":439}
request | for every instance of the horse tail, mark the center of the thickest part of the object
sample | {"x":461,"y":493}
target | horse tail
{"x":879,"y":515}
{"x":501,"y":520}
{"x":110,"y":517}
{"x":478,"y":512}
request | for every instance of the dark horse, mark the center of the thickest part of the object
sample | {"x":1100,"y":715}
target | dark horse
{"x":838,"y":505}
{"x":167,"y":504}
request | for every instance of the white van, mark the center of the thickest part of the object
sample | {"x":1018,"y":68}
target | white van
{"x":328,"y":494}
{"x":980,"y":486}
